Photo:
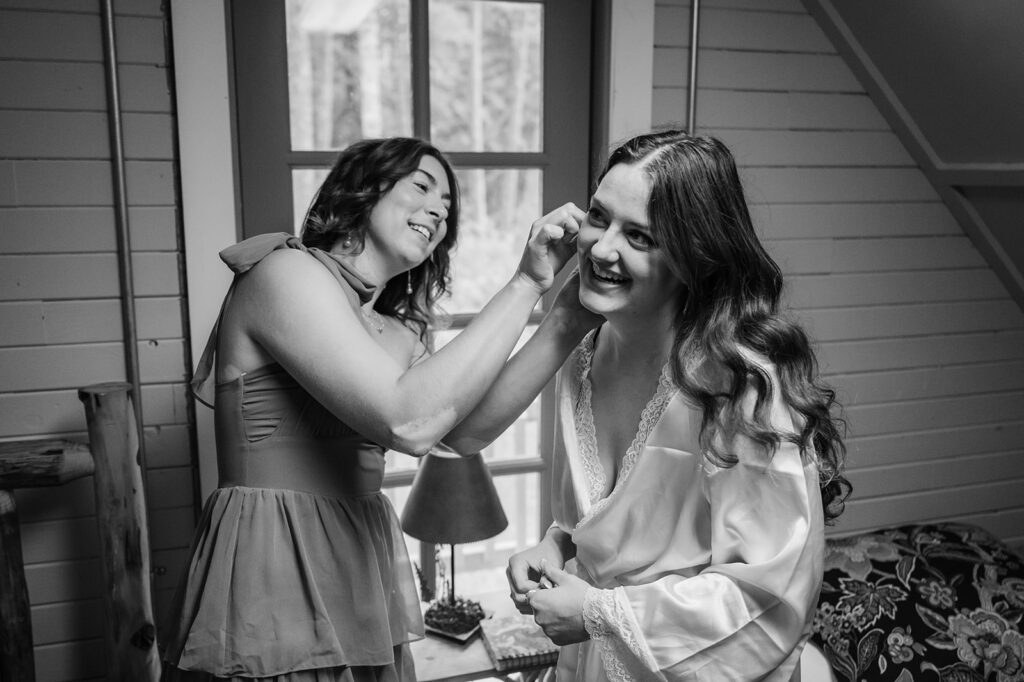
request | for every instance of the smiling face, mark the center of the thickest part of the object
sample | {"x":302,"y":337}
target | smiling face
{"x":623,"y":270}
{"x":408,"y":222}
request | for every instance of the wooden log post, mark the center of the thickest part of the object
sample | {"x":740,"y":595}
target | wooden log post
{"x":16,"y":660}
{"x":26,"y":464}
{"x":124,"y":538}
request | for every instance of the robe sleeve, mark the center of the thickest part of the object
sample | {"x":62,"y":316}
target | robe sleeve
{"x":747,"y":612}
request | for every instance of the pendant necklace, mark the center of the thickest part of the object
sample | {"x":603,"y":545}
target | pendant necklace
{"x":375,"y":320}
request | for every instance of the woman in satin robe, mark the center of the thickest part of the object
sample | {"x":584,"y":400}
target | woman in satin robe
{"x":698,"y":454}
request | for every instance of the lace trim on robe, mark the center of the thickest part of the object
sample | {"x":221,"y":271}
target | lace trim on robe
{"x":586,"y":432}
{"x":584,"y":418}
{"x":607,"y":615}
{"x":608,"y":619}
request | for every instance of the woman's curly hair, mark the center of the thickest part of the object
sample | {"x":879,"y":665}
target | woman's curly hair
{"x":340,"y":213}
{"x":730,"y":304}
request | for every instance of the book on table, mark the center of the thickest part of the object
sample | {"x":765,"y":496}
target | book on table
{"x":517,"y":642}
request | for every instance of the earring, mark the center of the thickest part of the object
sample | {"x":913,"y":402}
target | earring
{"x":408,"y":282}
{"x":347,"y":243}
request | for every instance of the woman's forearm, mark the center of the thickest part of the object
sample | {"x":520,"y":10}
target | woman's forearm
{"x":443,"y":389}
{"x":518,"y":384}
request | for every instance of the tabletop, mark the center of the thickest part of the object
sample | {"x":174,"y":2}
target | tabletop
{"x":439,"y":659}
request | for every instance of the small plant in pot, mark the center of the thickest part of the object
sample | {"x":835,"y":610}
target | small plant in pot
{"x":450,"y":616}
{"x":453,"y":616}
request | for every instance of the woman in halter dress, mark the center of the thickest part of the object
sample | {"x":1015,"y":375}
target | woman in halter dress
{"x":316,"y":366}
{"x":697,"y":457}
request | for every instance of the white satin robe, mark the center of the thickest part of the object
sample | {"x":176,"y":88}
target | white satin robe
{"x":697,"y":572}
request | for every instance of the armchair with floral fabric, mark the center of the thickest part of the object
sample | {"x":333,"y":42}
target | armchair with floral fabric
{"x":920,"y":603}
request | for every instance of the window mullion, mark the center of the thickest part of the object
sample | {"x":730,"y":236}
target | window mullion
{"x":419,"y":27}
{"x":419,"y":20}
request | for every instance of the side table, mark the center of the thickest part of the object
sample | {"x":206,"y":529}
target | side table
{"x":443,"y":660}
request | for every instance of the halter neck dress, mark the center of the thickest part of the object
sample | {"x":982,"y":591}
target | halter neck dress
{"x":298,"y":568}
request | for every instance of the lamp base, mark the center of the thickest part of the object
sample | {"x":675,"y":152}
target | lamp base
{"x":458,"y":619}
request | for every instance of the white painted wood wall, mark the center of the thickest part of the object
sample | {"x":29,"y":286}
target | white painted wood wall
{"x":917,"y":334}
{"x":920,"y":338}
{"x":60,"y":319}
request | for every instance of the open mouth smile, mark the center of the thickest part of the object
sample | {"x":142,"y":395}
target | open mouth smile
{"x":423,"y":230}
{"x":605,"y":276}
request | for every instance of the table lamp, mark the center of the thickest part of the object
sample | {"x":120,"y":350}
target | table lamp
{"x":452,"y":501}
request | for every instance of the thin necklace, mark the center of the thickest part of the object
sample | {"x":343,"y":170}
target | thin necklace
{"x":375,"y":320}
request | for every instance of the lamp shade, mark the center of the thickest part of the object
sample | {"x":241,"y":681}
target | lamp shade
{"x":452,"y":501}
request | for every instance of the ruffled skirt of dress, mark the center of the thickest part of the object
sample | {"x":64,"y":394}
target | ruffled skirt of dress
{"x":287,"y":586}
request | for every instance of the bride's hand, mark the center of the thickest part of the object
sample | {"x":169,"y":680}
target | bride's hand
{"x":551,"y":244}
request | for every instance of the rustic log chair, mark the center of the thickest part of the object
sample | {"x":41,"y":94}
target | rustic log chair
{"x":112,"y":458}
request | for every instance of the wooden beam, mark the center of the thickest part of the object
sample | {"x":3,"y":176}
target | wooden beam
{"x":32,"y":464}
{"x":981,"y":174}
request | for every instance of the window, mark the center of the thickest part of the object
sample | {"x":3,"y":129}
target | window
{"x":502,"y":86}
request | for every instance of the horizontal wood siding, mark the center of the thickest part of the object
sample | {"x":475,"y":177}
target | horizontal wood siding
{"x":60,"y":310}
{"x":921,"y":340}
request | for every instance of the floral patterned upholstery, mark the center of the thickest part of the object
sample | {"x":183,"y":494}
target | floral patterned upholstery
{"x":940,"y":602}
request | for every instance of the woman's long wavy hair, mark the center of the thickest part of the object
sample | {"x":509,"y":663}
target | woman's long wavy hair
{"x":732,"y":287}
{"x":340,"y":212}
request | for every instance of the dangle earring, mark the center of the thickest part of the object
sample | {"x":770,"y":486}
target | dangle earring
{"x":408,"y":282}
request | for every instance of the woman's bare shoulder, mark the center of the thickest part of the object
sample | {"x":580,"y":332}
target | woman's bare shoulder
{"x":285,"y":262}
{"x":291,"y":276}
{"x":286,"y":288}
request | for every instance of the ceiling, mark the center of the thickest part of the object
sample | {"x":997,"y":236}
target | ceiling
{"x":956,"y":65}
{"x":949,"y":77}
